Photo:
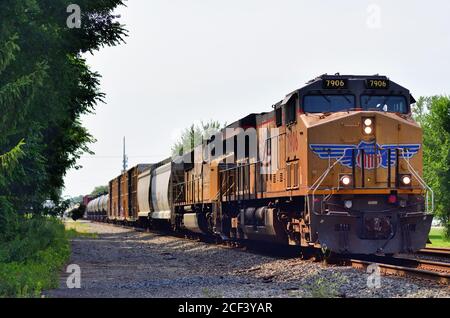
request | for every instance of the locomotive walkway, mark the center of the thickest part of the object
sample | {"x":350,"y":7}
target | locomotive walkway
{"x":118,"y":262}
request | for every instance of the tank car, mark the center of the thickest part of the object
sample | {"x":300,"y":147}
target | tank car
{"x":96,"y":209}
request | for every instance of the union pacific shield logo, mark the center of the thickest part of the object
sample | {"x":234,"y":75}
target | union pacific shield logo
{"x":371,"y":154}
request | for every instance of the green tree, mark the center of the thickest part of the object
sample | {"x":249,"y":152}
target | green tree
{"x":16,"y":90}
{"x":8,"y":218}
{"x":45,"y":87}
{"x":78,"y":212}
{"x":433,"y":113}
{"x":10,"y":159}
{"x":99,"y":190}
{"x":194,"y":135}
{"x":76,"y":200}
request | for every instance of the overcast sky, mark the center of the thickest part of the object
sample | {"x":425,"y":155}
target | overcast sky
{"x":192,"y":60}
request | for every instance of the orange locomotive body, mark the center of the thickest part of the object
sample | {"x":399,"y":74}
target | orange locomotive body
{"x":337,"y":164}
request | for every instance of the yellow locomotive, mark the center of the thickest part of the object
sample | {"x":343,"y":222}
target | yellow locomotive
{"x":337,"y":164}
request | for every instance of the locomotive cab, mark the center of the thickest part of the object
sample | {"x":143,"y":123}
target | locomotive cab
{"x":362,"y":154}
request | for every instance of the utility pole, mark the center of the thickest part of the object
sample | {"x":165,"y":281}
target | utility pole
{"x":125,"y":157}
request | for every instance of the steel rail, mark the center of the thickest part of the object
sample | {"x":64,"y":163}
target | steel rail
{"x":403,"y":271}
{"x":435,"y":251}
{"x":405,"y":267}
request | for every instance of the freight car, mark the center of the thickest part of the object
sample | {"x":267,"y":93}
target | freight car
{"x":97,"y":208}
{"x":337,"y":165}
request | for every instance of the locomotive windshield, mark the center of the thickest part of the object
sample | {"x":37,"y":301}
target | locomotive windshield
{"x":394,"y":104}
{"x":328,"y":103}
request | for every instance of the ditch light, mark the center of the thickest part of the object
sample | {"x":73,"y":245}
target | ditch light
{"x":346,"y":180}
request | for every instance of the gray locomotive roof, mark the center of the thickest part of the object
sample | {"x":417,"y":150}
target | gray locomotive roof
{"x":337,"y":75}
{"x":356,"y":85}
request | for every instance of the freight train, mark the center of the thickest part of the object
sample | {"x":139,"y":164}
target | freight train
{"x":336,"y":165}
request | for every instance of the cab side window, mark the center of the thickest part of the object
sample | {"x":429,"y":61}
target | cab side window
{"x":291,"y":111}
{"x":279,"y":116}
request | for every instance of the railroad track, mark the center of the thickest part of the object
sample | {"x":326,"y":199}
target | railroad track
{"x":405,"y":267}
{"x":434,"y":251}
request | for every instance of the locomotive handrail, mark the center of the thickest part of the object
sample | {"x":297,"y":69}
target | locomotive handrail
{"x":180,"y":193}
{"x":179,"y":187}
{"x":246,"y":187}
{"x":421,"y":181}
{"x":319,"y":181}
{"x":226,"y":191}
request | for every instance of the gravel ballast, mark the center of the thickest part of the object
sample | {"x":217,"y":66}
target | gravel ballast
{"x":121,"y":262}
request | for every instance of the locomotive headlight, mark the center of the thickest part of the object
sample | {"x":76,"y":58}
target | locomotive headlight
{"x":346,"y":180}
{"x":368,"y":126}
{"x":368,"y":130}
{"x":406,"y":180}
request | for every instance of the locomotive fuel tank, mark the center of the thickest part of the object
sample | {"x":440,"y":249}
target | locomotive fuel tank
{"x":262,"y":224}
{"x":195,"y":222}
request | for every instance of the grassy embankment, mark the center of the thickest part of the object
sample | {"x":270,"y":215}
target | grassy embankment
{"x":78,"y":229}
{"x":32,"y":261}
{"x":437,"y":238}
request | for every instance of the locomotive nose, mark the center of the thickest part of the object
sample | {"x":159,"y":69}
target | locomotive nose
{"x":366,"y":147}
{"x":376,"y":156}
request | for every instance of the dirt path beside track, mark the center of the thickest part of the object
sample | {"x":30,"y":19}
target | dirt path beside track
{"x":117,"y":262}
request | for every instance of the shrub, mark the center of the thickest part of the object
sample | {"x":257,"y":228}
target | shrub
{"x":31,"y":262}
{"x":320,"y":286}
{"x":78,"y":213}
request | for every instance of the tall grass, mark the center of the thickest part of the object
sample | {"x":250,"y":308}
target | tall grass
{"x":30,"y":263}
